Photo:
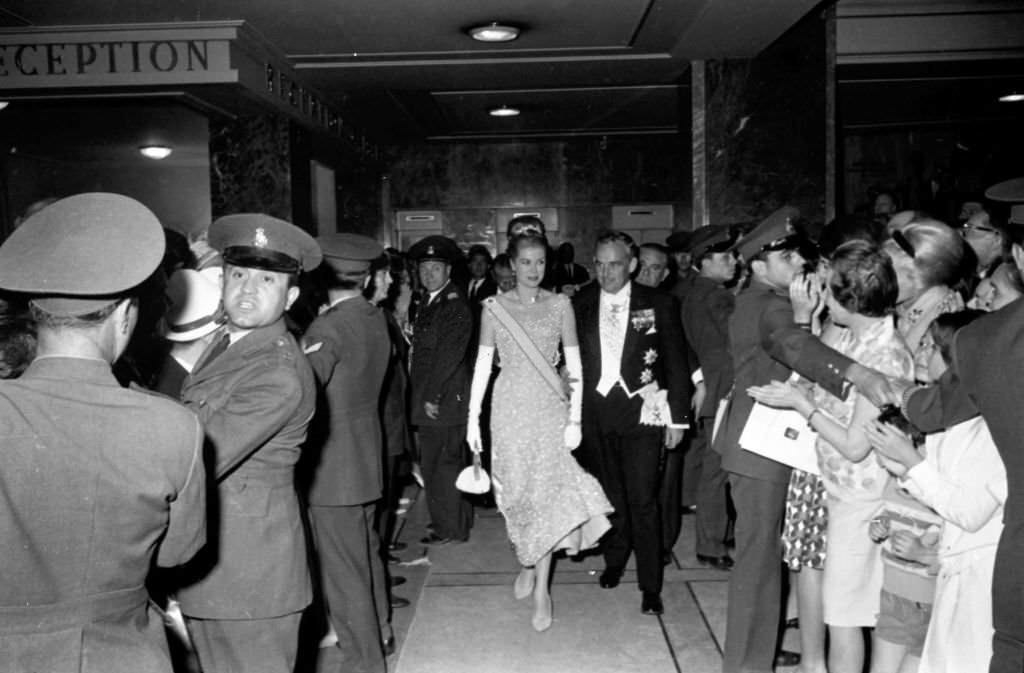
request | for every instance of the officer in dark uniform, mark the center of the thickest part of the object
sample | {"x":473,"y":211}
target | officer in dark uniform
{"x":439,"y":377}
{"x":96,"y":482}
{"x":348,"y":346}
{"x":255,"y":393}
{"x":706,"y":308}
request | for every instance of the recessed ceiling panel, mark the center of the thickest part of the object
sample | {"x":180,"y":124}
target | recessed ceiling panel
{"x":597,"y":110}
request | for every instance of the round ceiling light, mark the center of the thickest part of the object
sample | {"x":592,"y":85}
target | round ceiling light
{"x":504,"y":111}
{"x":4,"y":104}
{"x":494,"y":32}
{"x":1012,"y":97}
{"x":155,"y":151}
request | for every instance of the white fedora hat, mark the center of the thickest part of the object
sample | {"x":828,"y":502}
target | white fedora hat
{"x":195,"y":306}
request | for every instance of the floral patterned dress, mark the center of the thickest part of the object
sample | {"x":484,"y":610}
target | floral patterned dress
{"x":853,"y":571}
{"x":549,"y":502}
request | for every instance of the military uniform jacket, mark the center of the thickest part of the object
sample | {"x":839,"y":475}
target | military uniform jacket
{"x":706,"y":308}
{"x":655,"y":349}
{"x":987,"y":377}
{"x":95,"y":481}
{"x":255,"y":402}
{"x":438,"y":371}
{"x":766,"y":346}
{"x":348,"y":347}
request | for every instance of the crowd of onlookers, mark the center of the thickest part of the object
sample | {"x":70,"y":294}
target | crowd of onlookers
{"x":855,"y":327}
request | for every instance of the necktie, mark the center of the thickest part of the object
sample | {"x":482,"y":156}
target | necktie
{"x":219,"y":347}
{"x":612,"y":341}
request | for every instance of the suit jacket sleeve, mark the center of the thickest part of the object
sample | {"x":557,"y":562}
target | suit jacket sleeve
{"x":324,"y":358}
{"x":803,"y":352}
{"x":451,"y":349}
{"x":253,"y":413}
{"x":677,"y":364}
{"x":186,"y":529}
{"x":944,"y":403}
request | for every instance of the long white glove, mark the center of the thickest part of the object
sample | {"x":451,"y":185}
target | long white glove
{"x":477,"y":390}
{"x":574,"y":366}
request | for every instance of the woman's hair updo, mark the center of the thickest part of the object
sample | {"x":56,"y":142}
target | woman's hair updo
{"x":526,"y":239}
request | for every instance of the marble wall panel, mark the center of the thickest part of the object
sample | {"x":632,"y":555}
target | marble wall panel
{"x":766,"y":129}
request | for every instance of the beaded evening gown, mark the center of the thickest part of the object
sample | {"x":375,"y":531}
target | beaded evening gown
{"x":548,"y":500}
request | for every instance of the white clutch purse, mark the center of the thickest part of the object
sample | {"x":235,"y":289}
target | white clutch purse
{"x":474,"y":478}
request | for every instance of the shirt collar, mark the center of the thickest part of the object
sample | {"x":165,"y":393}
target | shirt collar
{"x":432,"y":295}
{"x":622,"y":296}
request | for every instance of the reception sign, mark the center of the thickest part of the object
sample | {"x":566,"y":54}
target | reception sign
{"x":178,"y":59}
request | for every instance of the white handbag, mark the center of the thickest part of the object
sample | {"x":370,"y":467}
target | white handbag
{"x":782,"y":435}
{"x":474,"y":478}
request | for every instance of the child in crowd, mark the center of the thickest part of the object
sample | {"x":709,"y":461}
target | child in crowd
{"x":909,"y":532}
{"x":962,"y":478}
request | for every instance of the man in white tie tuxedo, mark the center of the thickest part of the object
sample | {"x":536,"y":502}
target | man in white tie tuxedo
{"x":636,"y":402}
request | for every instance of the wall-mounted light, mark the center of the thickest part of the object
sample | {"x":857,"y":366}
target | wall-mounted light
{"x":494,"y":32}
{"x":155,"y":151}
{"x":504,"y":111}
{"x":4,"y":104}
{"x":1012,"y":97}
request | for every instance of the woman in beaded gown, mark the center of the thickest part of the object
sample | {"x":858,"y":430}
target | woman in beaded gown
{"x":549,"y":502}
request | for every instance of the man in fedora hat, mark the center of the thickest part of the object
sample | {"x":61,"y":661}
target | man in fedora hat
{"x":348,"y":347}
{"x":97,"y":482}
{"x":192,"y":317}
{"x":439,"y":377}
{"x":255,"y":393}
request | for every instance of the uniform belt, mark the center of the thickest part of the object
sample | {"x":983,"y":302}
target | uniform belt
{"x":273,"y":478}
{"x":34,"y":618}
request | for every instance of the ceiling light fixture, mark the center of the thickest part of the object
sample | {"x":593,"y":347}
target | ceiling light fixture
{"x":155,"y":151}
{"x":3,"y":104}
{"x":1012,"y":97}
{"x":494,"y":32}
{"x":504,"y":111}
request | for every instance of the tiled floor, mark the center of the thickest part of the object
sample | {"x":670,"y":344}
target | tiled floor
{"x":464,"y":617}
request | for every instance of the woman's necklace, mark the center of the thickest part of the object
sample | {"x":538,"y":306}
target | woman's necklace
{"x":528,"y":300}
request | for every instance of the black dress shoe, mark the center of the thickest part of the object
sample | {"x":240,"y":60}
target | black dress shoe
{"x":397,"y":580}
{"x":610,"y":578}
{"x":435,"y":540}
{"x":399,"y":602}
{"x":716,"y":562}
{"x":389,"y":646}
{"x":786,"y":659}
{"x":651,"y":604}
{"x":397,"y":546}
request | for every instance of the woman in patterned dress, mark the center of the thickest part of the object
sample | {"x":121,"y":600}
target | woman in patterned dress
{"x":549,"y":502}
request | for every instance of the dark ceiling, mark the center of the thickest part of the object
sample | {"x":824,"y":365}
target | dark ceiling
{"x":405,"y":70}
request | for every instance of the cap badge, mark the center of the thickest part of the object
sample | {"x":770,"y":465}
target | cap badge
{"x":430,"y":250}
{"x":260,"y":239}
